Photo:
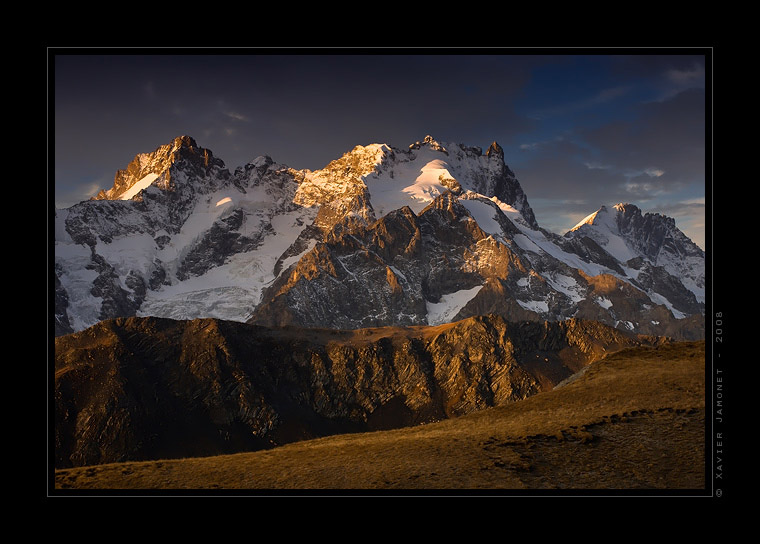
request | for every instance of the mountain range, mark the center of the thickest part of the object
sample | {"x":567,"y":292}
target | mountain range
{"x":427,"y":235}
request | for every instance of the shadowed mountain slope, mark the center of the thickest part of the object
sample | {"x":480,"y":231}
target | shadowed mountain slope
{"x":149,"y":388}
{"x":633,"y":420}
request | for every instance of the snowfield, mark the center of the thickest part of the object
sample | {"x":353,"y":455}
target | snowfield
{"x":484,"y":215}
{"x":415,"y":184}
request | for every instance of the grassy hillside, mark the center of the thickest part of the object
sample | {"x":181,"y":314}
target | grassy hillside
{"x":634,"y":420}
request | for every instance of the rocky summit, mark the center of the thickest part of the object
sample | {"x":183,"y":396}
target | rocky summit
{"x":154,"y":388}
{"x":381,"y":236}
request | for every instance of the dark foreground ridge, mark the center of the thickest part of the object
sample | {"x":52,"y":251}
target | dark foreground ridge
{"x":149,"y":388}
{"x":632,"y":421}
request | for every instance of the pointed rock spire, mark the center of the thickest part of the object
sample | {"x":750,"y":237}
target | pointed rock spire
{"x":495,"y":150}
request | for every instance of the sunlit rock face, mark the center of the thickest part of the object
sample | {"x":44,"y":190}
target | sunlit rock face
{"x":380,"y":236}
{"x":153,"y":388}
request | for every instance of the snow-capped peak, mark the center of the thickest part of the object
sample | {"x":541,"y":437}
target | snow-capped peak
{"x":495,"y":150}
{"x":624,"y":232}
{"x":152,"y":168}
{"x":588,"y":220}
{"x":261,"y":160}
{"x":602,"y":218}
{"x":342,"y":178}
{"x":183,"y":141}
{"x":603,"y":226}
{"x":430,"y":142}
{"x":605,"y":217}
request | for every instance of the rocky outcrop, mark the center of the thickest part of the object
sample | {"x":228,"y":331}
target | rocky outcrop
{"x":343,"y":283}
{"x":656,"y":279}
{"x":654,"y":235}
{"x":61,"y":323}
{"x":147,"y":388}
{"x":218,"y":243}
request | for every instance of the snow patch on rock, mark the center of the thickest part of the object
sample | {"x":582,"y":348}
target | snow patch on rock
{"x":449,"y":305}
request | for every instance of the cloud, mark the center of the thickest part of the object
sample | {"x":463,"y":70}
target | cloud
{"x":605,"y":95}
{"x":683,"y":208}
{"x":535,"y":145}
{"x":650,"y":183}
{"x":683,"y":79}
{"x":689,"y":77}
{"x":664,"y":139}
{"x":659,"y":68}
{"x":633,"y":175}
{"x":643,"y":191}
{"x":565,"y":170}
{"x":593,"y":165}
{"x":76,"y":193}
{"x":236,"y":116}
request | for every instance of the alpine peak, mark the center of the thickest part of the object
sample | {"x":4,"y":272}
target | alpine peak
{"x":631,"y":213}
{"x":151,"y":168}
{"x":183,"y":141}
{"x":430,"y":142}
{"x":495,"y":150}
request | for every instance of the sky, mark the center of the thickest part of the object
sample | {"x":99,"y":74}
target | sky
{"x":580,"y":129}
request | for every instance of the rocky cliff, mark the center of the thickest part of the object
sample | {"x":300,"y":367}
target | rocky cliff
{"x":148,"y":388}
